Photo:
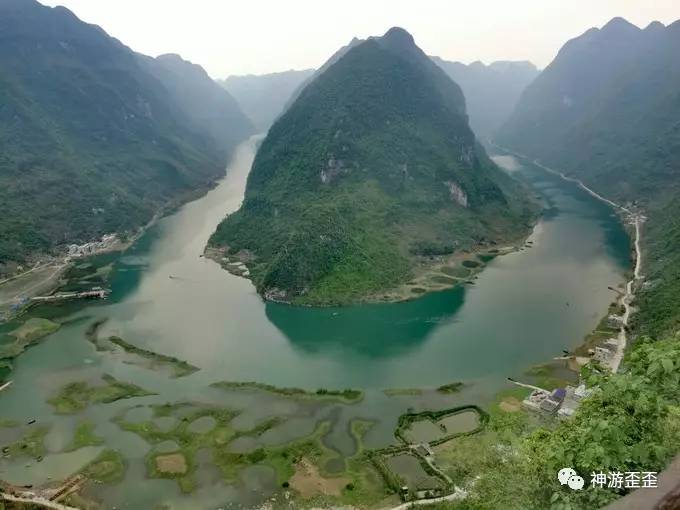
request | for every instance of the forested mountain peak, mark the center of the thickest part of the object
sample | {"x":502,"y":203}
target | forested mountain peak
{"x":372,"y":166}
{"x":606,"y":111}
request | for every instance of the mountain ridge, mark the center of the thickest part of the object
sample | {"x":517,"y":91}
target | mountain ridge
{"x":264,"y":97}
{"x":93,"y":141}
{"x":606,"y":111}
{"x":371,"y":167}
{"x":491,"y":91}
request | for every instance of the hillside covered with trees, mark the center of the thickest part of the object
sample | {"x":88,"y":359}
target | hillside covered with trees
{"x":373,"y":166}
{"x":96,"y":138}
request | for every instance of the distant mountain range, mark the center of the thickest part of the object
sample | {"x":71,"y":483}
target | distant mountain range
{"x":263,"y":97}
{"x":607,"y":110}
{"x":372,"y":169}
{"x":96,"y":138}
{"x":491,"y":92}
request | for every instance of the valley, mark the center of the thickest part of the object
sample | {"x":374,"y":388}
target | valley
{"x":331,"y":348}
{"x":378,"y":280}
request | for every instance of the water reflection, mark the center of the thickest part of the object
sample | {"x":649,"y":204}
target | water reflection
{"x":371,"y":331}
{"x":517,"y":311}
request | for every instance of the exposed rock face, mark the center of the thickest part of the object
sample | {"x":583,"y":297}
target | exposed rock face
{"x":457,"y":193}
{"x":334,"y":167}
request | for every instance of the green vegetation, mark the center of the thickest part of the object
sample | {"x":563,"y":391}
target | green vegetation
{"x":28,"y":333}
{"x":151,"y":360}
{"x":76,"y":396}
{"x":188,"y":442}
{"x":406,"y":420}
{"x":108,"y":467}
{"x":552,"y":375}
{"x":631,"y":423}
{"x":347,"y":395}
{"x":358,"y":429}
{"x":603,"y":331}
{"x":456,"y":272}
{"x":83,"y":436}
{"x":281,"y":458}
{"x":618,"y":134}
{"x":444,"y":280}
{"x":98,"y":138}
{"x":180,"y":367}
{"x":450,"y":388}
{"x":359,"y":480}
{"x":32,"y":444}
{"x":659,"y":298}
{"x":359,"y":181}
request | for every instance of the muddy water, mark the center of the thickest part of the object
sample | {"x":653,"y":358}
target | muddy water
{"x":524,"y":309}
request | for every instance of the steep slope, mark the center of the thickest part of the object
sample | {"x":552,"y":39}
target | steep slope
{"x":491,"y":92}
{"x":263,"y":97}
{"x":607,"y":110}
{"x":372,"y":169}
{"x":92,"y":142}
{"x":209,"y":107}
{"x":332,"y":60}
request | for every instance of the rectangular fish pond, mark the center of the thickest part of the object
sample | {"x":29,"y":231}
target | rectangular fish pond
{"x":436,"y":427}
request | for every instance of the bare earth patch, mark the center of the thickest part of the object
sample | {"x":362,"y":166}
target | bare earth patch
{"x":308,"y":481}
{"x":173,"y":463}
{"x":510,"y":404}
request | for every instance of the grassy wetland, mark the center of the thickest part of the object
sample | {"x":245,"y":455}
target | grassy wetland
{"x":310,"y":393}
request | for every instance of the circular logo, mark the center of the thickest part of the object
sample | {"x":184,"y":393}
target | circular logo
{"x":564,"y":474}
{"x":575,"y":482}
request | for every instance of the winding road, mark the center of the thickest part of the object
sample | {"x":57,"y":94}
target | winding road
{"x":636,"y":219}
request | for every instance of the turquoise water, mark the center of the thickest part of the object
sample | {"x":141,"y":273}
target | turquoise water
{"x":524,"y":308}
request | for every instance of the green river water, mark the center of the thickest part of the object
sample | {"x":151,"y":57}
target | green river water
{"x":523,"y":309}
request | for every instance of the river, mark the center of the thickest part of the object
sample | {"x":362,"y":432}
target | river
{"x":524,"y":309}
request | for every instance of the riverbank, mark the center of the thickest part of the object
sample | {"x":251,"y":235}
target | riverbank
{"x":166,"y":298}
{"x":45,"y":277}
{"x":429,"y":274}
{"x":629,"y":217}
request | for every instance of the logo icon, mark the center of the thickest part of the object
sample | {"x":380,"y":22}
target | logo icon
{"x":569,"y":477}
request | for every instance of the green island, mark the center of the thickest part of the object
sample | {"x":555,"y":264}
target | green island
{"x":31,"y":444}
{"x":83,"y":436}
{"x":150,"y":359}
{"x":180,"y":367}
{"x":30,"y":332}
{"x":77,"y":396}
{"x":454,"y":387}
{"x":296,"y":463}
{"x":365,"y":478}
{"x":108,"y":467}
{"x":346,"y":395}
{"x":178,"y":462}
{"x":354,"y":193}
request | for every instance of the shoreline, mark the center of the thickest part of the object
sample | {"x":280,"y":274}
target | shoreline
{"x":63,"y":262}
{"x":636,"y":219}
{"x":406,"y":291}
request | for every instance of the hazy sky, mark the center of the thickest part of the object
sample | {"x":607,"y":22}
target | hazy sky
{"x":258,"y":36}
